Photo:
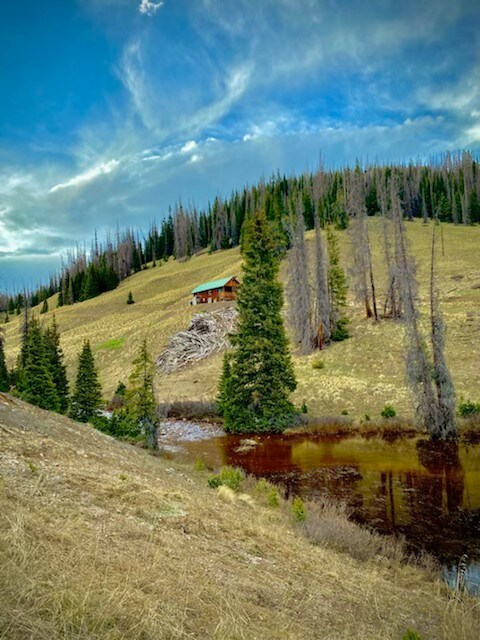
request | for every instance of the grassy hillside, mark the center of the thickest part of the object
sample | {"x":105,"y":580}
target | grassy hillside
{"x":360,"y":375}
{"x":99,"y":539}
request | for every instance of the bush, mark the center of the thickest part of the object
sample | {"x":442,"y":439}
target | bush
{"x":412,"y":635}
{"x":230,"y":477}
{"x":119,"y":425}
{"x":199,"y":465}
{"x":214,"y":482}
{"x":468,"y":408}
{"x":130,"y":299}
{"x":318,"y":364}
{"x":273,"y":499}
{"x":344,"y":412}
{"x":388,"y":411}
{"x":304,"y":408}
{"x":299,"y":510}
{"x":341,"y":331}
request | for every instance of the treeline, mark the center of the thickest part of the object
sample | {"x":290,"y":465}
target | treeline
{"x":447,"y":188}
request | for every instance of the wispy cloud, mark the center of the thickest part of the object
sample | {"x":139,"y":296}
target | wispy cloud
{"x":82,"y":178}
{"x":149,"y":8}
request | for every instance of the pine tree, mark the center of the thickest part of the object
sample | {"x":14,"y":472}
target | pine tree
{"x":224,"y":387}
{"x":337,"y":287}
{"x":130,"y":299}
{"x":87,"y":396}
{"x":7,"y":319}
{"x":57,"y":366}
{"x":261,"y":375}
{"x":44,"y":306}
{"x":4,"y":377}
{"x":140,"y":397}
{"x":37,"y":381}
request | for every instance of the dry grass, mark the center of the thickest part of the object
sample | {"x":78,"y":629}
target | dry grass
{"x":100,"y":540}
{"x":360,"y":375}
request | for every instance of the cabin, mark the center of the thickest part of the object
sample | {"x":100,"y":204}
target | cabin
{"x":221,"y":290}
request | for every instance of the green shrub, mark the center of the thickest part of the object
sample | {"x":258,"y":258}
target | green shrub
{"x":388,"y":411}
{"x":273,"y":499}
{"x":344,"y":412}
{"x":367,"y":417}
{"x":412,"y":635}
{"x":130,"y":299}
{"x":32,"y":467}
{"x":340,"y":332}
{"x":262,"y":487}
{"x":232,"y":477}
{"x":199,"y":465}
{"x":318,"y":364}
{"x":214,"y":482}
{"x":467,"y":408}
{"x":299,"y":510}
{"x":304,"y":408}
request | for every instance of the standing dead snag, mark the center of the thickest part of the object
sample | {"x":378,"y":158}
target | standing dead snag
{"x":322,"y":310}
{"x":446,"y":399}
{"x":298,"y":287}
{"x":362,"y":270}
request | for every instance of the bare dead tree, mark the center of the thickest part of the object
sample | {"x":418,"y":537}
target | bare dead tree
{"x":298,"y":286}
{"x":362,"y":269}
{"x":322,"y":310}
{"x":445,"y":427}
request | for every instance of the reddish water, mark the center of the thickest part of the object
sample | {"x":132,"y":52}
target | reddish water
{"x":428,"y":493}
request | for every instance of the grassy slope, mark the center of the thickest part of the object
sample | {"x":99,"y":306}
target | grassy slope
{"x":99,"y":539}
{"x":361,"y":375}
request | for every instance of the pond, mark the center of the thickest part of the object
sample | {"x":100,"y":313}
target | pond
{"x":427,"y":492}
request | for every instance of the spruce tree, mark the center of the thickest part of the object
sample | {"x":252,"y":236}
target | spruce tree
{"x":261,"y":376}
{"x":4,"y":377}
{"x":57,"y":365}
{"x":337,"y":287}
{"x":44,"y":306}
{"x":140,"y":397}
{"x":130,"y":299}
{"x":87,"y":396}
{"x":37,"y":381}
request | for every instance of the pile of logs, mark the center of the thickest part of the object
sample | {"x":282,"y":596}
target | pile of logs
{"x":207,"y":334}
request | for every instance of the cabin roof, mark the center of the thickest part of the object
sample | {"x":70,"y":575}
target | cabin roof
{"x":213,"y":284}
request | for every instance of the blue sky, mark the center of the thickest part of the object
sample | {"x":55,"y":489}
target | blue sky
{"x":111,"y":110}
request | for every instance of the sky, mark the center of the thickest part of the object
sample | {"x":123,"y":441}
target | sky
{"x":112,"y":110}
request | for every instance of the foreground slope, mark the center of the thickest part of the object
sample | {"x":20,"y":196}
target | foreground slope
{"x":361,"y":375}
{"x":99,"y":539}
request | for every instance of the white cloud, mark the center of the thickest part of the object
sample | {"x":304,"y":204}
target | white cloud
{"x":188,"y":146}
{"x":195,"y":158}
{"x":87,"y":176}
{"x":149,"y":8}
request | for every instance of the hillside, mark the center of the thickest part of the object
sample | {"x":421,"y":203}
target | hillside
{"x":99,"y":539}
{"x":360,"y":375}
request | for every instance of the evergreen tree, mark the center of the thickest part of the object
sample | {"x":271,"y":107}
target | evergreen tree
{"x":4,"y":377}
{"x":87,"y":396}
{"x":224,"y":387}
{"x":37,"y":381}
{"x":44,"y":306}
{"x":57,"y":366}
{"x":130,"y":299}
{"x":261,"y":376}
{"x":7,"y":319}
{"x":337,"y":287}
{"x":140,"y":397}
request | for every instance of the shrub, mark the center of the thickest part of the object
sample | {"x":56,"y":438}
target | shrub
{"x":299,"y":510}
{"x":412,"y":635}
{"x":344,"y":412}
{"x":214,"y":482}
{"x":388,"y":411}
{"x":468,"y":408}
{"x":367,"y":417}
{"x":199,"y":465}
{"x":262,"y":487}
{"x":318,"y":364}
{"x":273,"y":499}
{"x":130,"y":299}
{"x":232,"y":477}
{"x":304,"y":408}
{"x":341,"y":331}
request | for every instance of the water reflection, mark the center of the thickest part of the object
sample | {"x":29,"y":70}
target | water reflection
{"x":429,"y":492}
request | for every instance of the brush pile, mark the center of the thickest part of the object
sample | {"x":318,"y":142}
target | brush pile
{"x":207,"y":334}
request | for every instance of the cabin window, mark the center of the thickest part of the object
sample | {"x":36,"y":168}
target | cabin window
{"x":229,"y":289}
